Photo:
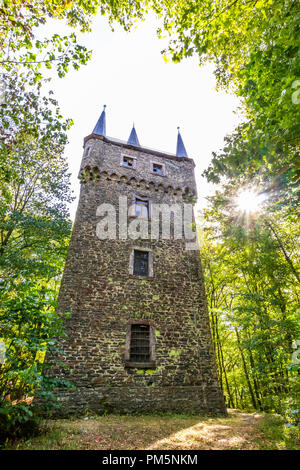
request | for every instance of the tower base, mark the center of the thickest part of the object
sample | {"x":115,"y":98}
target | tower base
{"x":124,"y":400}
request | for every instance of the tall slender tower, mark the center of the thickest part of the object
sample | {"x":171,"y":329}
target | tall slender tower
{"x":138,"y":334}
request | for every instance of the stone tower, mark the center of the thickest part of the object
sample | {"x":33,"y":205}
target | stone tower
{"x":138,"y":334}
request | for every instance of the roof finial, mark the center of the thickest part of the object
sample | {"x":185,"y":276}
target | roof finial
{"x":133,"y":138}
{"x":180,"y":149}
{"x":100,"y":127}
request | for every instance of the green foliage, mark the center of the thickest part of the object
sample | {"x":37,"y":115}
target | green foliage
{"x":253,"y":299}
{"x":254,"y":46}
{"x":273,"y":433}
{"x":29,"y":327}
{"x":19,"y":48}
{"x":22,"y":48}
{"x":34,"y":235}
{"x":17,"y":420}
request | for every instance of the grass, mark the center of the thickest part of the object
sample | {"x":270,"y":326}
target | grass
{"x":240,"y":430}
{"x":275,"y":435}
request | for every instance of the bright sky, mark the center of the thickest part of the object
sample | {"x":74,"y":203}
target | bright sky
{"x":128,"y":74}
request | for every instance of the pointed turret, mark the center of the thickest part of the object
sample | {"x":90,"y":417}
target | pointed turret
{"x":100,"y":127}
{"x":133,"y":138}
{"x":180,"y":150}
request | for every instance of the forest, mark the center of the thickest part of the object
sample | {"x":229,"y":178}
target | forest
{"x":249,"y":229}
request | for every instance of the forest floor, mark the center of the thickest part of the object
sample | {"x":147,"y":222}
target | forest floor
{"x":240,"y":430}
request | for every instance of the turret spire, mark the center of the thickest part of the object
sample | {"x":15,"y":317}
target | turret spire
{"x":100,"y":127}
{"x":180,"y":150}
{"x":133,"y":138}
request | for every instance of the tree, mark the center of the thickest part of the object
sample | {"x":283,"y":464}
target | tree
{"x":34,"y":235}
{"x":254,"y":45}
{"x":19,"y":21}
{"x":253,"y":297}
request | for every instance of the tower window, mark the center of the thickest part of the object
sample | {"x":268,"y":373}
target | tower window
{"x":128,"y":162}
{"x":140,"y":343}
{"x":157,"y":168}
{"x":141,"y":208}
{"x":141,"y":263}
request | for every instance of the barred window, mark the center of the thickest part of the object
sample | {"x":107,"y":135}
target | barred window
{"x":140,"y":343}
{"x":140,"y":263}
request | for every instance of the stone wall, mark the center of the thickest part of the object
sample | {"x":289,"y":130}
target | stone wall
{"x":104,"y":298}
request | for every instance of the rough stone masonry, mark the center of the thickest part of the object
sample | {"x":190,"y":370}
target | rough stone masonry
{"x":135,"y":343}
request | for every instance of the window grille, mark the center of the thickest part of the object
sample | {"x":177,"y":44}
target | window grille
{"x":140,"y":343}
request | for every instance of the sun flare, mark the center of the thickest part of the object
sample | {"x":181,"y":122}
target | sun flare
{"x":249,"y":201}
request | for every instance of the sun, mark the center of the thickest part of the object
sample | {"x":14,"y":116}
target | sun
{"x":249,"y":201}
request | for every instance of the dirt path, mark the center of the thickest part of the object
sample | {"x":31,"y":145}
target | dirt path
{"x":235,"y":432}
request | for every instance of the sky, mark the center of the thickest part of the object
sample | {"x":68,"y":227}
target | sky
{"x":127,"y":72}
